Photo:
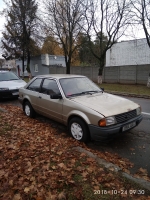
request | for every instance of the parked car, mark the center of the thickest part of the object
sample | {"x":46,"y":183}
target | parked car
{"x":10,"y":84}
{"x":77,"y":102}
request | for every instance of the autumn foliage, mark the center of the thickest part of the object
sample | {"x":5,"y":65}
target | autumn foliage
{"x":38,"y":162}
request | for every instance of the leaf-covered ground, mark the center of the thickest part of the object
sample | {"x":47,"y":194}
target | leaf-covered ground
{"x":37,"y":162}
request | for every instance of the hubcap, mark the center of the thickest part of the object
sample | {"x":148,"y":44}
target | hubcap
{"x":27,"y":110}
{"x":76,"y":131}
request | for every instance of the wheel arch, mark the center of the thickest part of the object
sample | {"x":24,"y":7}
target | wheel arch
{"x":85,"y":123}
{"x":23,"y":104}
{"x":80,"y":115}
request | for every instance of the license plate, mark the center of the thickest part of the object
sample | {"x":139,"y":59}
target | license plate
{"x":128,"y":126}
{"x":15,"y":93}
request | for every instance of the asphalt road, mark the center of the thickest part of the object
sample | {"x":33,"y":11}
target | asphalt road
{"x":133,"y":145}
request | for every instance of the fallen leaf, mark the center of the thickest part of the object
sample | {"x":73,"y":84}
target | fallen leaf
{"x":17,"y":197}
{"x":132,"y":149}
{"x":62,"y":196}
{"x":26,"y":190}
{"x":2,"y":172}
{"x":62,"y":165}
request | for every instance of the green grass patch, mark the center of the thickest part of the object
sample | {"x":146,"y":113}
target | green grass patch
{"x":26,"y":79}
{"x":5,"y":128}
{"x":133,"y":187}
{"x":124,"y":88}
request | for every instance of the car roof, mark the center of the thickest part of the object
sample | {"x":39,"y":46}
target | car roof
{"x":59,"y":76}
{"x":4,"y":71}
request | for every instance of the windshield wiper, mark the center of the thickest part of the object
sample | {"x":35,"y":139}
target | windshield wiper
{"x":91,"y":92}
{"x":82,"y":93}
{"x":76,"y":94}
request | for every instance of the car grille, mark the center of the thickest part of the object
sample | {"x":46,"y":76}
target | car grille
{"x":16,"y":90}
{"x":125,"y":116}
{"x":9,"y":93}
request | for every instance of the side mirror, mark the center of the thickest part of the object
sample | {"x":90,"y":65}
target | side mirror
{"x":56,"y":96}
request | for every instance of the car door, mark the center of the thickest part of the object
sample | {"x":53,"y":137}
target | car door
{"x":32,"y":92}
{"x":50,"y":107}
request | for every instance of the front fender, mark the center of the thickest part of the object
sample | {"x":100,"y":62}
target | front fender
{"x":79,"y":114}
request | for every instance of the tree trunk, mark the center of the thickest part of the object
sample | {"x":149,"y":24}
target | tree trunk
{"x":23,"y":67}
{"x":28,"y":66}
{"x":100,"y":71}
{"x":68,"y":66}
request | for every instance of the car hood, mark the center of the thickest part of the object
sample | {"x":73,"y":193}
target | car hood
{"x":14,"y":84}
{"x":106,"y":104}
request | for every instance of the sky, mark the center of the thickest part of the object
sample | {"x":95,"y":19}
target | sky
{"x":136,"y":33}
{"x":2,"y":21}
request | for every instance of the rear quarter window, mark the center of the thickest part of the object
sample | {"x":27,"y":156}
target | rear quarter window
{"x":35,"y":85}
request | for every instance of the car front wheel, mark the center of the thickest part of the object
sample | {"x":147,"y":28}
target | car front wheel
{"x":78,"y":129}
{"x":29,"y":111}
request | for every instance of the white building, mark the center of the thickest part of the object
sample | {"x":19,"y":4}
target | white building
{"x":133,"y":52}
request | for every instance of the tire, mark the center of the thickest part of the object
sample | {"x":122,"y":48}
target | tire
{"x":78,"y":130}
{"x":29,"y":111}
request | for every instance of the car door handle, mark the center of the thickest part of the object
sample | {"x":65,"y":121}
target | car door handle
{"x":40,"y":97}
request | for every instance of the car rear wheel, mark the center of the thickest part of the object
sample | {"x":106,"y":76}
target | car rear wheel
{"x":29,"y":111}
{"x":78,"y":129}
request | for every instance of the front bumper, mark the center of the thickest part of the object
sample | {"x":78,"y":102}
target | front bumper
{"x":98,"y":133}
{"x":20,"y":100}
{"x":9,"y":93}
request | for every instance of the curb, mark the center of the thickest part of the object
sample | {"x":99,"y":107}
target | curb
{"x":145,"y":184}
{"x":128,"y":94}
{"x":2,"y":110}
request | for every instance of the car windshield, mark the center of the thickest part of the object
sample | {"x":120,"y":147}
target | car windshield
{"x":8,"y":76}
{"x":78,"y":86}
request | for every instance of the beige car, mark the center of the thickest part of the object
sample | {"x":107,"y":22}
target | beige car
{"x":77,"y":102}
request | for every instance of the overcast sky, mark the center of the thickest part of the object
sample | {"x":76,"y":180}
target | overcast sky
{"x":2,"y":20}
{"x":136,"y":34}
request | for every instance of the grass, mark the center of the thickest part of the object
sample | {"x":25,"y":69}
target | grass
{"x":126,"y":88}
{"x":5,"y":128}
{"x":26,"y":79}
{"x":85,"y":187}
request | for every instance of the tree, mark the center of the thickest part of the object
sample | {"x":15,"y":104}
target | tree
{"x":1,"y":62}
{"x":51,"y":46}
{"x":85,"y":55}
{"x":141,"y":16}
{"x":107,"y":21}
{"x":65,"y":21}
{"x":20,"y":29}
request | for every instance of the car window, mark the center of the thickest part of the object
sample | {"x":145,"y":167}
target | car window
{"x":8,"y":76}
{"x":78,"y":86}
{"x":50,"y":87}
{"x":35,"y":85}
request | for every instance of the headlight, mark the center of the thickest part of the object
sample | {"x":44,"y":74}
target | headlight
{"x":107,"y":121}
{"x":3,"y":89}
{"x":138,"y":110}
